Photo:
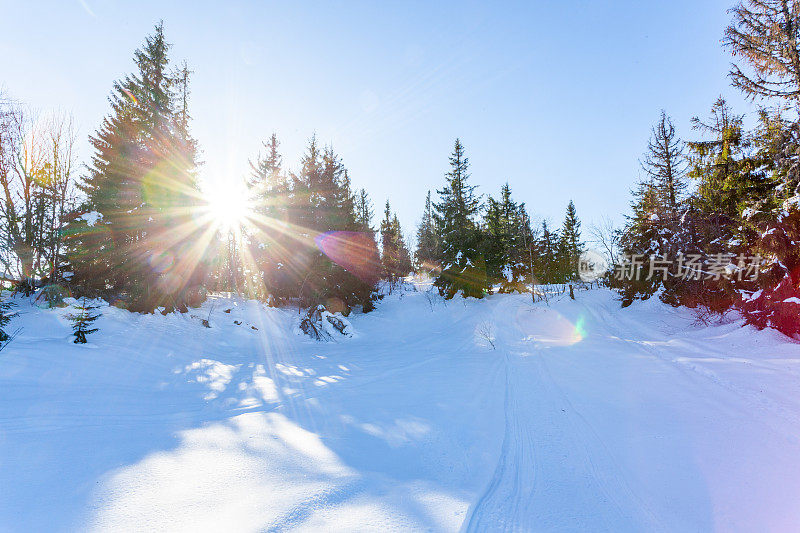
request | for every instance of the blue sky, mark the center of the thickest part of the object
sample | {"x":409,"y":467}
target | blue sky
{"x":555,"y":97}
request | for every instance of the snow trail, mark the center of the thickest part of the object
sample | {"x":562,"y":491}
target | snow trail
{"x":550,"y":454}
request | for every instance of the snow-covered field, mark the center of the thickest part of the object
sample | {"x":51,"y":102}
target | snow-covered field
{"x":584,"y":416}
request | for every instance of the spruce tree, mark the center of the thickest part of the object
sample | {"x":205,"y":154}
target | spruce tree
{"x":665,"y":164}
{"x":395,"y":259}
{"x":268,"y":187}
{"x":507,"y":235}
{"x":570,"y":246}
{"x":265,"y":171}
{"x":332,"y":261}
{"x":547,"y":264}
{"x":764,"y":33}
{"x":639,"y":241}
{"x":82,"y":321}
{"x":142,"y":184}
{"x":665,"y":225}
{"x":364,"y":211}
{"x":266,"y":230}
{"x":428,"y":254}
{"x":495,"y":239}
{"x":404,"y":263}
{"x":6,"y":314}
{"x":721,"y":167}
{"x":463,"y":267}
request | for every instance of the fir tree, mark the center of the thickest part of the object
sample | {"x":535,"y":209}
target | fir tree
{"x":765,"y":34}
{"x":265,"y":170}
{"x":142,"y":183}
{"x":331,"y":260}
{"x":395,"y":259}
{"x":665,"y":164}
{"x":463,"y":267}
{"x":428,"y":254}
{"x":570,"y":245}
{"x":82,"y":321}
{"x":6,"y":314}
{"x":364,"y":211}
{"x":507,"y":235}
{"x":720,"y":166}
{"x":547,"y":258}
{"x":266,"y":232}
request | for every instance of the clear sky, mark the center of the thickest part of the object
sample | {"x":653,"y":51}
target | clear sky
{"x":555,"y":97}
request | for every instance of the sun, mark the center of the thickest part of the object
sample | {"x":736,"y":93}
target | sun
{"x":229,"y":205}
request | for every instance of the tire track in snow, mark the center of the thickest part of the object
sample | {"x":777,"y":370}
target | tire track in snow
{"x":502,"y":505}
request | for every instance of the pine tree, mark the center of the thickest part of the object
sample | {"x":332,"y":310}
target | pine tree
{"x":547,"y":263}
{"x":364,"y":211}
{"x":265,"y":234}
{"x":507,"y":235}
{"x":83,"y":320}
{"x":142,"y":184}
{"x":331,"y":260}
{"x":395,"y":259}
{"x":570,"y":245}
{"x":665,"y":165}
{"x":463,"y":267}
{"x":640,"y":239}
{"x":428,"y":253}
{"x":6,"y":314}
{"x":720,"y":166}
{"x":765,"y":34}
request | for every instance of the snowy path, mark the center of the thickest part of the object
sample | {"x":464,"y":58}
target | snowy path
{"x":584,"y":417}
{"x":553,"y":470}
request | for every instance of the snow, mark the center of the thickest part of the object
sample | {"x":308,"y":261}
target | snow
{"x":792,"y":203}
{"x":508,"y":273}
{"x":585,"y":416}
{"x":91,"y":217}
{"x":769,"y":232}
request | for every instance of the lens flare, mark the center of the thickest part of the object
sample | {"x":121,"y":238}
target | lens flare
{"x":548,"y":327}
{"x":354,"y":251}
{"x":229,"y":205}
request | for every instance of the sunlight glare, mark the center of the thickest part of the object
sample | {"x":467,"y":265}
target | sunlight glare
{"x":229,"y":204}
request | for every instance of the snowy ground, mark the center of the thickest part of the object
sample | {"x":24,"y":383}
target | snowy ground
{"x":585,"y":417}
